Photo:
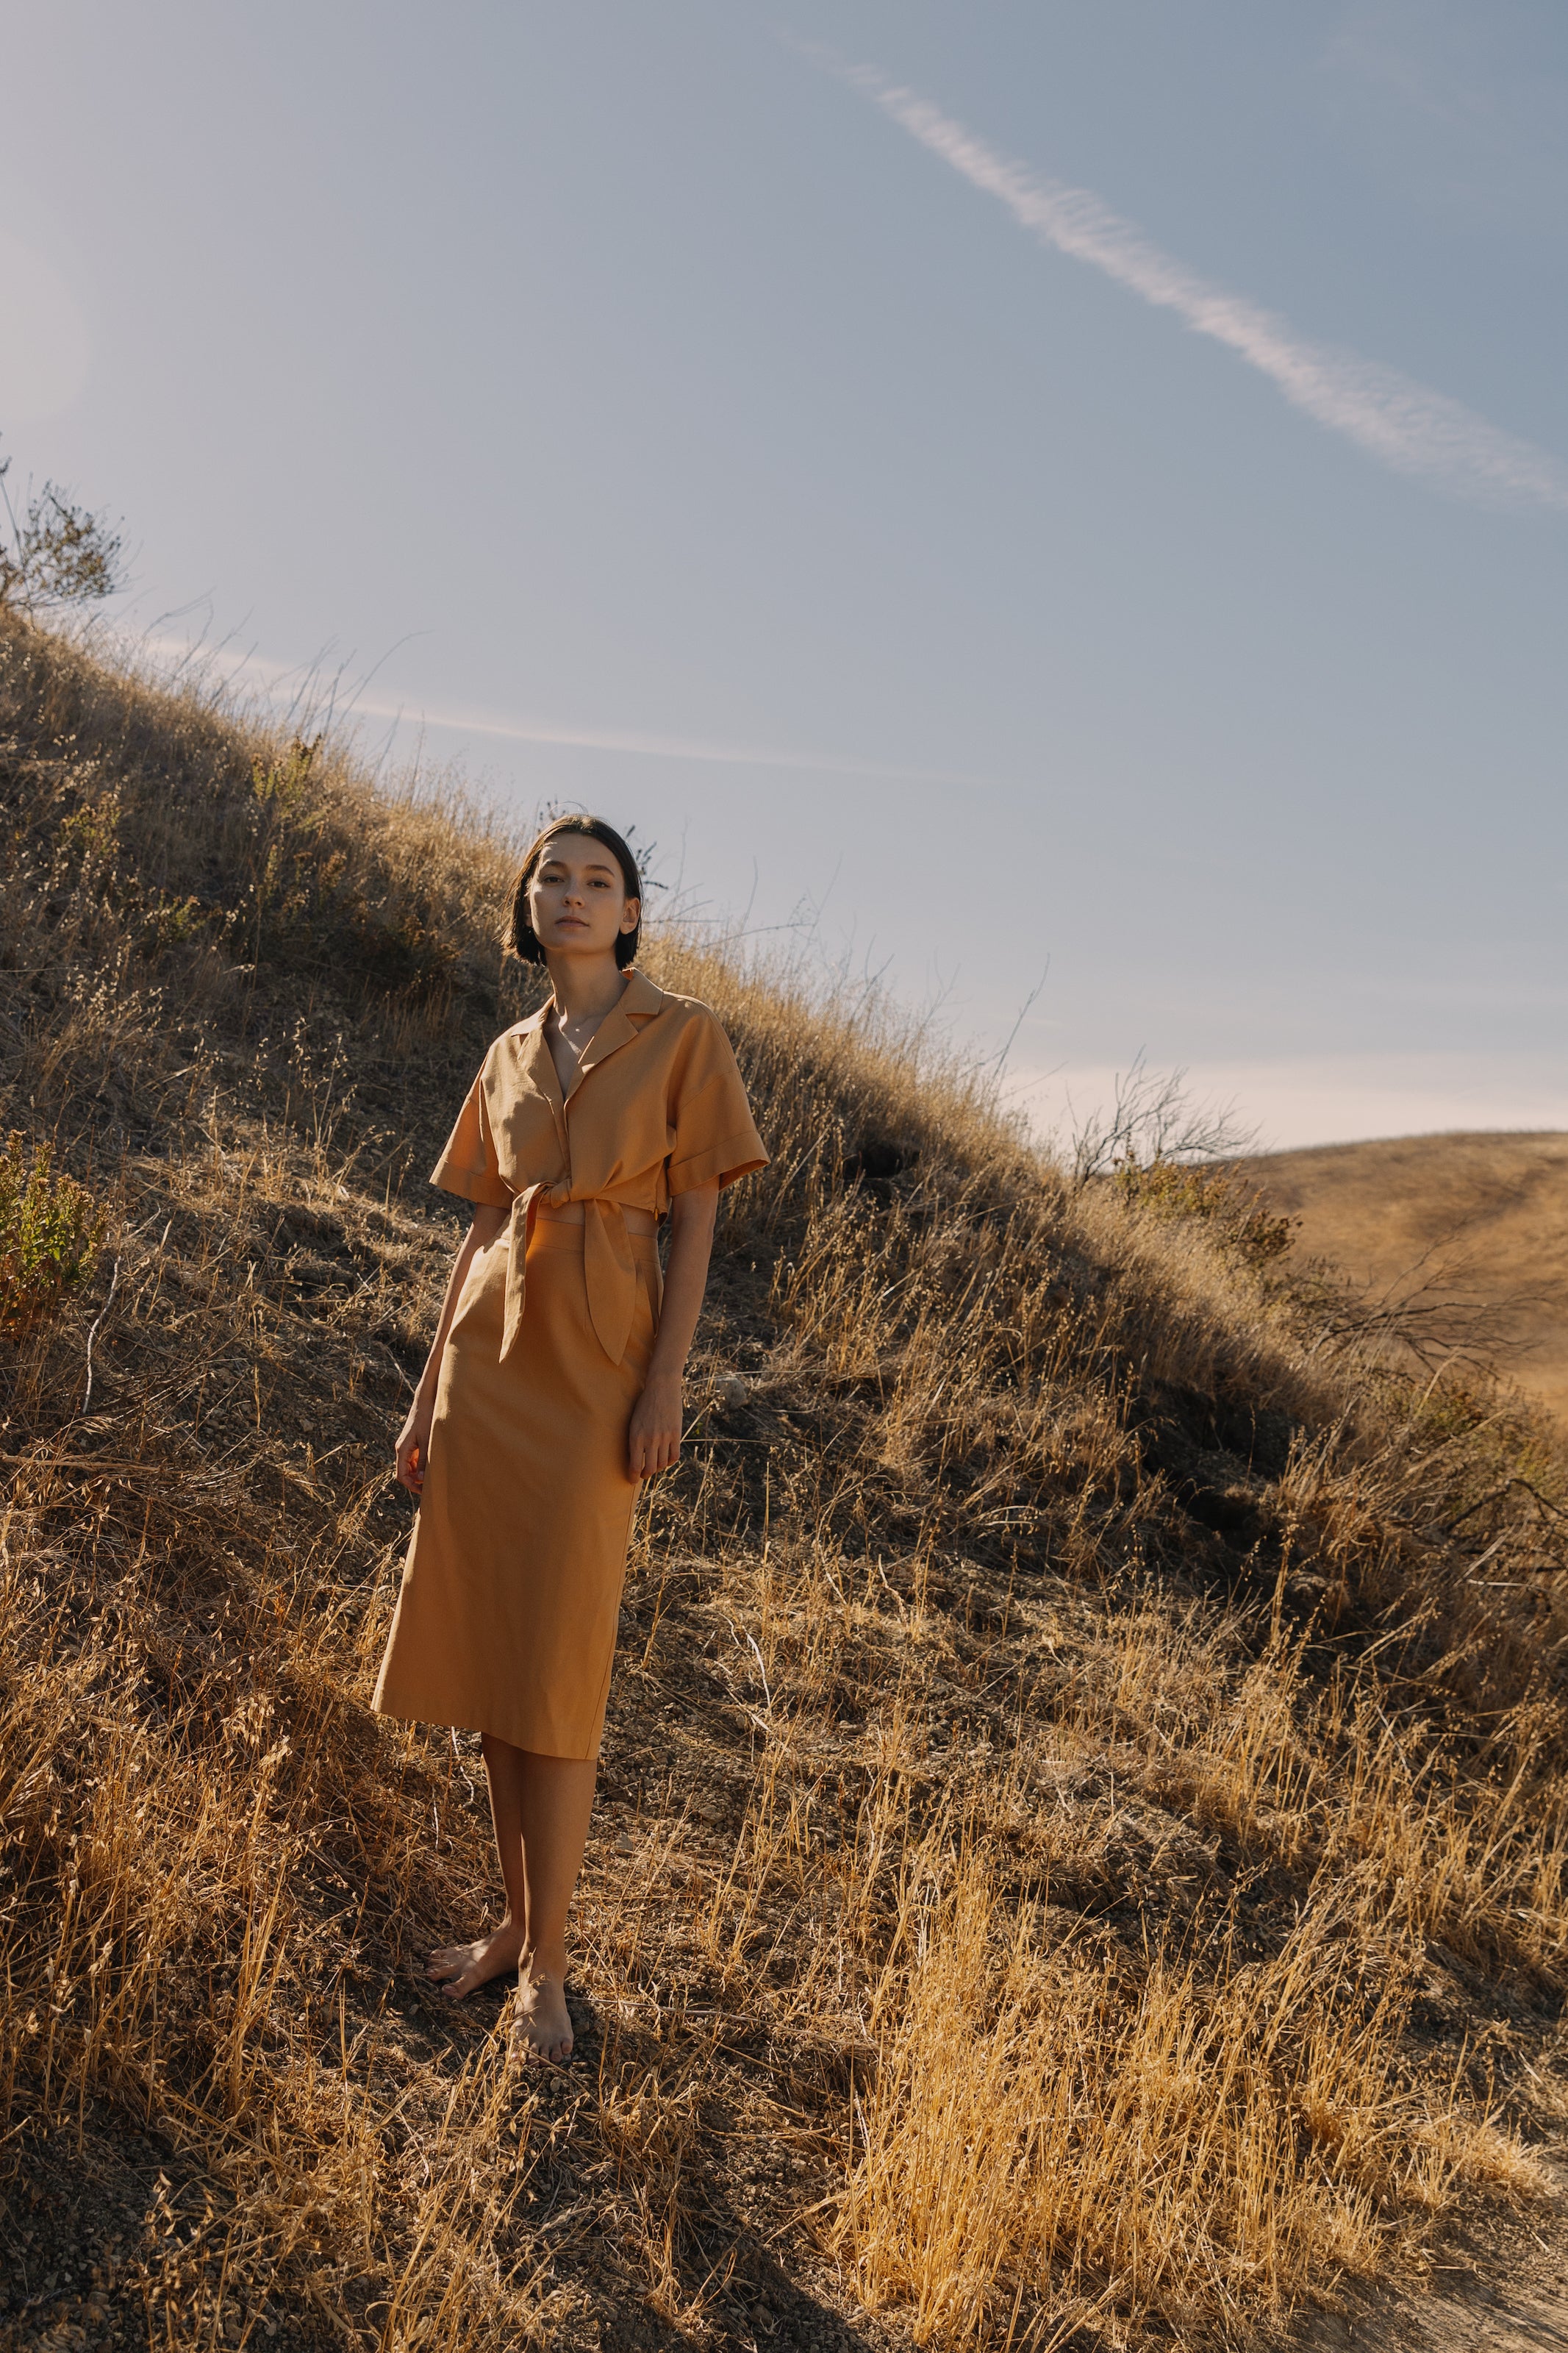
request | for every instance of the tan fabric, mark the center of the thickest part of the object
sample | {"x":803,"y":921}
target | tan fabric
{"x":506,"y":1621}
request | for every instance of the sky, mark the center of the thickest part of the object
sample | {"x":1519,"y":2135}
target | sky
{"x":1061,"y":507}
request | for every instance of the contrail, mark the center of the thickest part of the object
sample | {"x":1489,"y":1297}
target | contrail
{"x":641,"y":746}
{"x":1404,"y":423}
{"x":288,"y":682}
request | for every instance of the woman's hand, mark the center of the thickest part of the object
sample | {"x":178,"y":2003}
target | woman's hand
{"x":414,"y":1444}
{"x":653,"y":1441}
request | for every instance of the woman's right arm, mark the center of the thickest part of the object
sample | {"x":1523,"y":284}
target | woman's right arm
{"x":414,"y":1438}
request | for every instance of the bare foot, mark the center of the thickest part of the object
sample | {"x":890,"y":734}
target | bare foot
{"x":543,"y":2026}
{"x":458,"y":1969}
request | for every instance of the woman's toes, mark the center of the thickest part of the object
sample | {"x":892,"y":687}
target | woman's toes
{"x":458,"y":1969}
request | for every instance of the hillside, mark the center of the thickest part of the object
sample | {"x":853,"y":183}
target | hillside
{"x":1079,"y":1860}
{"x":1471,"y":1231}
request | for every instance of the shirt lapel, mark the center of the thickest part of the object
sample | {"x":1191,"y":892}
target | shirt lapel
{"x":639,"y":1001}
{"x":538,"y":1069}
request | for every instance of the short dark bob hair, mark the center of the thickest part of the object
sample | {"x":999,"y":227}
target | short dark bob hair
{"x":519,"y":934}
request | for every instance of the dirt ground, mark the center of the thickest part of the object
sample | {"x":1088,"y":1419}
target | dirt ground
{"x":1464,"y":2310}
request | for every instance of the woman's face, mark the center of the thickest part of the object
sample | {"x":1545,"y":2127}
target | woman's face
{"x":577,"y":901}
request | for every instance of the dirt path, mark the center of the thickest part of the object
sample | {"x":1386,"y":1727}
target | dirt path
{"x":1452,"y":2319}
{"x":1503,"y":2291}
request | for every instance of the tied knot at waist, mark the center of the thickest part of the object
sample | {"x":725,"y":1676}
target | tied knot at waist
{"x":609,"y":1269}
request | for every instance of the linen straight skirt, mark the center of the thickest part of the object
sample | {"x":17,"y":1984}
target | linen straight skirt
{"x":506,"y":1620}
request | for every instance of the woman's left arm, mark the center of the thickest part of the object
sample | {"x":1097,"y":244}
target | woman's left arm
{"x":654,"y":1437}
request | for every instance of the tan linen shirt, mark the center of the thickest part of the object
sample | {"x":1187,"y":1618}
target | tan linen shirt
{"x":656,"y":1107}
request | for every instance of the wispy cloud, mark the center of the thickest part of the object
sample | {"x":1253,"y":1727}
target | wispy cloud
{"x":1407,"y":426}
{"x":313,"y":688}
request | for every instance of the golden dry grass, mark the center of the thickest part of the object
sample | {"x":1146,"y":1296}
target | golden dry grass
{"x":1473,"y":1226}
{"x":1082,"y":1828}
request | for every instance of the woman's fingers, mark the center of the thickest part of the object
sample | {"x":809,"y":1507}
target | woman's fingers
{"x":410,"y":1448}
{"x":653,"y":1450}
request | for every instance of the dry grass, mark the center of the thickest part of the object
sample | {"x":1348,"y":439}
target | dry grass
{"x":1081,"y":1843}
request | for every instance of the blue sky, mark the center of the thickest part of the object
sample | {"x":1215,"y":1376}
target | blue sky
{"x":1010,"y":485}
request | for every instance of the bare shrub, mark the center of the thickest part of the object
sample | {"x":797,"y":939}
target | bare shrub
{"x":1152,"y":1118}
{"x":1432,"y":1313}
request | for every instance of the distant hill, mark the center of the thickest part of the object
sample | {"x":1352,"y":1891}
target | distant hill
{"x":1477,"y":1221}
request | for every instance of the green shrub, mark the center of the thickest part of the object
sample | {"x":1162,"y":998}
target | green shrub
{"x":55,"y":553}
{"x":1216,"y":1195}
{"x":49,"y":1234}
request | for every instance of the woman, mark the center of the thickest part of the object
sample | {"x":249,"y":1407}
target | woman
{"x":554,"y":1385}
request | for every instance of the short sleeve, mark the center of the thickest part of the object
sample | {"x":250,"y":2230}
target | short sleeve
{"x":715,"y":1135}
{"x":469,"y":1167}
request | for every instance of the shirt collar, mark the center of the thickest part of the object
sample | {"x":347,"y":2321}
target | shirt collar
{"x":639,"y":1001}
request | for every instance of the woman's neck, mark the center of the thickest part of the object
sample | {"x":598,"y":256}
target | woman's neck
{"x":584,"y":987}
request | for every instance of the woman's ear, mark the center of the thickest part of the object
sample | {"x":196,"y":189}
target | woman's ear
{"x":631,"y":916}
